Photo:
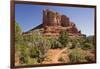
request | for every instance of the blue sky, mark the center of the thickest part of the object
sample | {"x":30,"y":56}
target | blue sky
{"x":29,"y":16}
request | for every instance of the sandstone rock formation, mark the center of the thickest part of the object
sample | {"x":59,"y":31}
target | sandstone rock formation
{"x":51,"y":18}
{"x":65,"y":21}
{"x":53,"y":23}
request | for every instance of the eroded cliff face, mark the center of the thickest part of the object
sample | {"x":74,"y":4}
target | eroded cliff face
{"x":54,"y":22}
{"x":51,"y":18}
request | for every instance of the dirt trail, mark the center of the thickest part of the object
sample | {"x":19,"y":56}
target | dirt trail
{"x":54,"y":54}
{"x":55,"y":59}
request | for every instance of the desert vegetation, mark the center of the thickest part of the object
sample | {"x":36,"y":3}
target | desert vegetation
{"x":35,"y":48}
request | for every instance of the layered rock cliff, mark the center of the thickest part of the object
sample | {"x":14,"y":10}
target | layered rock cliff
{"x":54,"y":22}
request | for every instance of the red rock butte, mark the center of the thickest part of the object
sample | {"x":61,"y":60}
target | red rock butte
{"x":54,"y":22}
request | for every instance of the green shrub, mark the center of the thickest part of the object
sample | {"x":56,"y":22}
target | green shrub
{"x":24,"y":55}
{"x":55,"y":44}
{"x":18,"y":33}
{"x":40,"y":46}
{"x":87,"y":46}
{"x":90,"y":58}
{"x":33,"y":52}
{"x":63,"y":38}
{"x":77,"y":55}
{"x":22,"y":51}
{"x":73,"y":45}
{"x":32,"y":61}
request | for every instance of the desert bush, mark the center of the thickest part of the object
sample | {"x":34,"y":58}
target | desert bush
{"x":40,"y":46}
{"x":55,"y":44}
{"x":77,"y":55}
{"x":24,"y":55}
{"x":73,"y":45}
{"x":79,"y":41}
{"x":63,"y":39}
{"x":18,"y":32}
{"x":20,"y":46}
{"x":33,"y":52}
{"x":90,"y":58}
{"x":87,"y":46}
{"x":32,"y":61}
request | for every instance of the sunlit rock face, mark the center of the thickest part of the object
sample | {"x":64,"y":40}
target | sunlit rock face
{"x":65,"y":21}
{"x":53,"y":23}
{"x":51,"y":18}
